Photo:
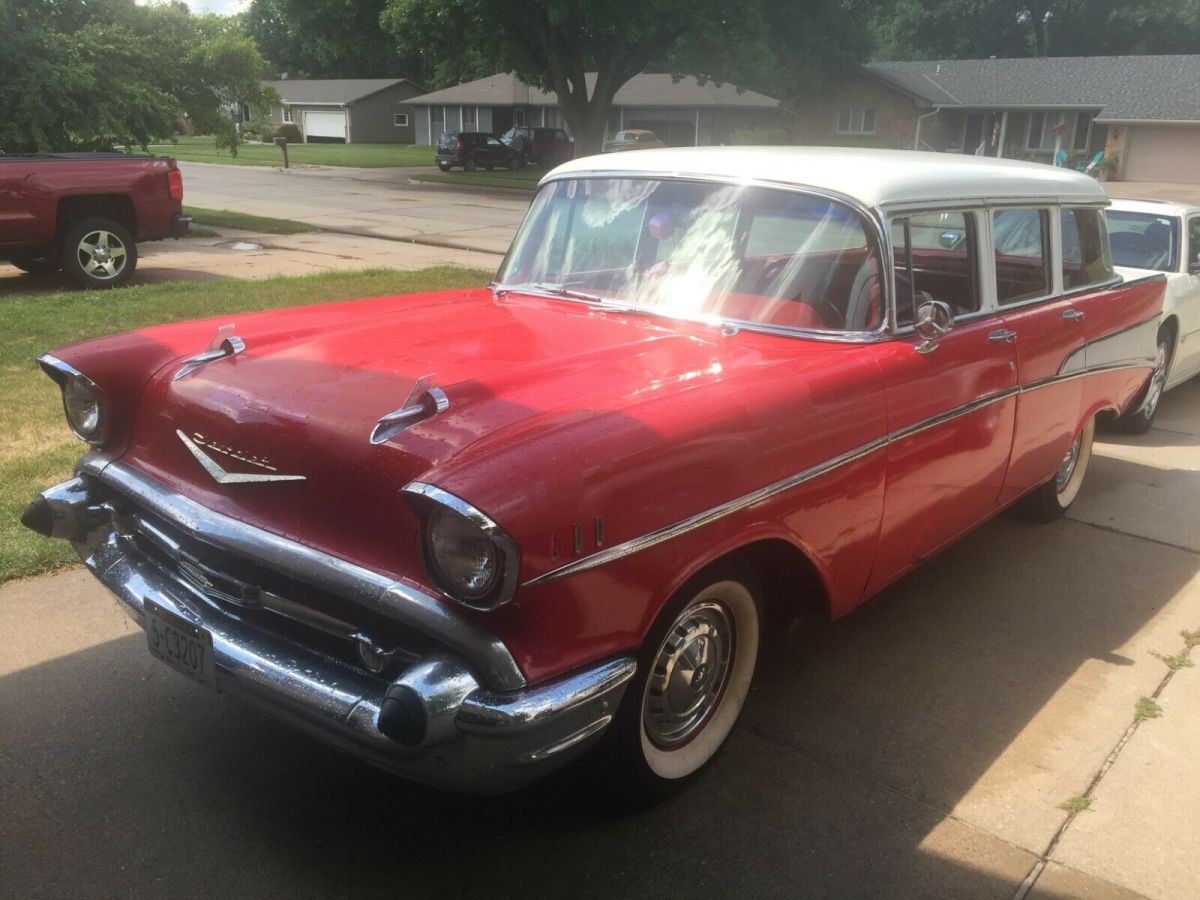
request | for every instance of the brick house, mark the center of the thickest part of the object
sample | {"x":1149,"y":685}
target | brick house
{"x":682,"y":113}
{"x":1142,"y":110}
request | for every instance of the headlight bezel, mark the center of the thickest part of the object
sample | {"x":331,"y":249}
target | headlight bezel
{"x":432,"y":504}
{"x":67,"y":377}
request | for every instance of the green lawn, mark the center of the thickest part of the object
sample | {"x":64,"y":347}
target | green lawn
{"x":366,"y":156}
{"x":227,"y":218}
{"x":37,"y":450}
{"x":525,"y":179}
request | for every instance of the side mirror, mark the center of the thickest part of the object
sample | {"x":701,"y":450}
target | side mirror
{"x":934,"y":320}
{"x":950,"y":239}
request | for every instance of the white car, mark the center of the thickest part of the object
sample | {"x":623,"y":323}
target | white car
{"x":1156,"y":236}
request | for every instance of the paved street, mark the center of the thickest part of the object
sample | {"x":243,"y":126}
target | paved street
{"x":921,"y":747}
{"x":373,"y":202}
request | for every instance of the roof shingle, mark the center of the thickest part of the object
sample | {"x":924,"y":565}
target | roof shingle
{"x":331,"y":90}
{"x":1123,"y":88}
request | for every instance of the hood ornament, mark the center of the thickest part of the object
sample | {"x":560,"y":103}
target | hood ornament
{"x":219,"y":475}
{"x":223,"y":344}
{"x":424,"y":401}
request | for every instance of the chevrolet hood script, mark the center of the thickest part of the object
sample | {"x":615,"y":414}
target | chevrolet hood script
{"x":220,"y":476}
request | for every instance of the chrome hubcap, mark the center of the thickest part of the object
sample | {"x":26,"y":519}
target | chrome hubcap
{"x":1067,"y":467}
{"x":689,"y":674}
{"x":1157,"y":381}
{"x":101,"y":254}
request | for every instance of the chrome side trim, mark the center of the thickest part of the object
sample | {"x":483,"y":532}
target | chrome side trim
{"x":667,"y":532}
{"x":396,"y":599}
{"x":509,"y":551}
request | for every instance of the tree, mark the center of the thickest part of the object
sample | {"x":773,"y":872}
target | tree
{"x":554,"y":44}
{"x":94,"y":74}
{"x":974,"y":29}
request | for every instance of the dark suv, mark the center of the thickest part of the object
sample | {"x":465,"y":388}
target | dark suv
{"x":472,"y":150}
{"x":545,"y":146}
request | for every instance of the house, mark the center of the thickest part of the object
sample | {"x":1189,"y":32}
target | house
{"x":350,"y":110}
{"x":1144,"y":111}
{"x":682,"y":113}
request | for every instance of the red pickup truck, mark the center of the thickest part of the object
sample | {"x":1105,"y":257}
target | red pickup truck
{"x":84,"y":213}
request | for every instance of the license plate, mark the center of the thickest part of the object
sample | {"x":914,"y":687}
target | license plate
{"x":186,"y":648}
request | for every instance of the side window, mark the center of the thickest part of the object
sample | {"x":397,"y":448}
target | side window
{"x":936,"y":258}
{"x":1193,"y":259}
{"x":1085,"y":256}
{"x":1020,"y":238}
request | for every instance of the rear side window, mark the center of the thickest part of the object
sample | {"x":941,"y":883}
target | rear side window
{"x":936,"y":259}
{"x":1085,"y":256}
{"x":1020,"y":238}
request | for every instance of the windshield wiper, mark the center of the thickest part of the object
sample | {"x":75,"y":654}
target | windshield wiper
{"x":562,"y":290}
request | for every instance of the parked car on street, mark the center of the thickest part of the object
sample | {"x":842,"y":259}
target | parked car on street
{"x":471,"y":150}
{"x":1154,"y":236}
{"x":633,"y":139}
{"x":470,"y":534}
{"x":84,"y":213}
{"x":545,"y":147}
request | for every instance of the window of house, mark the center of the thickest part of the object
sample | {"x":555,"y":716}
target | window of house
{"x":400,"y":120}
{"x":1083,"y":131}
{"x":469,"y":118}
{"x":937,"y":258}
{"x":553,"y":118}
{"x":287,"y":115}
{"x":855,"y":120}
{"x":1085,"y":256}
{"x":518,"y":116}
{"x":1076,"y":129}
{"x":1020,"y":239}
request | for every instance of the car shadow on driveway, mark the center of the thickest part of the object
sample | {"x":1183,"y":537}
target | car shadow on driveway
{"x":918,"y":747}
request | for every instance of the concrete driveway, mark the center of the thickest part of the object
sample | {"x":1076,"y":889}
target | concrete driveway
{"x":921,"y":747}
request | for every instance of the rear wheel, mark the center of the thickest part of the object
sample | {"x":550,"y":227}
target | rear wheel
{"x":99,"y":253}
{"x":1141,"y":415}
{"x":1055,"y":497}
{"x":36,"y":264}
{"x":694,"y":672}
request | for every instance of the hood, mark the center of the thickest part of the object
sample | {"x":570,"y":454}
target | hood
{"x":299,"y":404}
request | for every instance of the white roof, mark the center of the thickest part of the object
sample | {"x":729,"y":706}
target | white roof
{"x":1155,"y":207}
{"x":872,"y":177}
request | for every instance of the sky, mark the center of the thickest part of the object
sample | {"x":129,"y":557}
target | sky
{"x":223,"y":7}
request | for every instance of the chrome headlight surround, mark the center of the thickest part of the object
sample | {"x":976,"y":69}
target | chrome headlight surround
{"x":79,"y":391}
{"x":433,"y":505}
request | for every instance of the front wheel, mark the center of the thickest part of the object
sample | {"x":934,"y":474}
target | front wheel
{"x":1141,"y":415}
{"x":1054,"y":498}
{"x":99,"y":253}
{"x":694,"y":672}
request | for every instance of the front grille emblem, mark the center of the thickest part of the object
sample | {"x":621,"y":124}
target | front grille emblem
{"x":219,"y":475}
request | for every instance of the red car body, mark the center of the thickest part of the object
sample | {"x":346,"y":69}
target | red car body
{"x":622,"y":453}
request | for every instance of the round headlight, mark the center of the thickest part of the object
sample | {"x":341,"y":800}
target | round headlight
{"x":465,"y":560}
{"x":82,"y":405}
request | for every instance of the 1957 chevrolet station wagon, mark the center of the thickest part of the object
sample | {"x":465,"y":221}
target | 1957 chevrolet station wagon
{"x":468,"y":535}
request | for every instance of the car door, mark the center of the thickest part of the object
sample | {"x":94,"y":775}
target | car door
{"x":950,"y":401}
{"x":497,"y":153}
{"x":1185,"y":288}
{"x":1047,"y":330}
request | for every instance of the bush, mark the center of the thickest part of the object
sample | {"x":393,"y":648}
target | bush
{"x":760,"y":136}
{"x":265,"y":134}
{"x":291,"y":132}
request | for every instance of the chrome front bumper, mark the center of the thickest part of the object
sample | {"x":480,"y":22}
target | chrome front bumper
{"x":476,"y":726}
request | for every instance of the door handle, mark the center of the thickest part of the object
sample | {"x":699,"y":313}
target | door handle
{"x":1002,"y":334}
{"x":1072,"y":315}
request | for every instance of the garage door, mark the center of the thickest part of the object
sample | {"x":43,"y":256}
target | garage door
{"x":325,"y":125}
{"x":1163,"y":153}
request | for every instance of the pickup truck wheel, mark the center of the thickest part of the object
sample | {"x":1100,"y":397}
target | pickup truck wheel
{"x":694,"y":672}
{"x":1141,"y":415}
{"x":1055,"y":497}
{"x":99,"y":253}
{"x":36,"y":265}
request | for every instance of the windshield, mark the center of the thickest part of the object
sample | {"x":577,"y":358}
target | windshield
{"x":1144,"y":240}
{"x":745,"y":254}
